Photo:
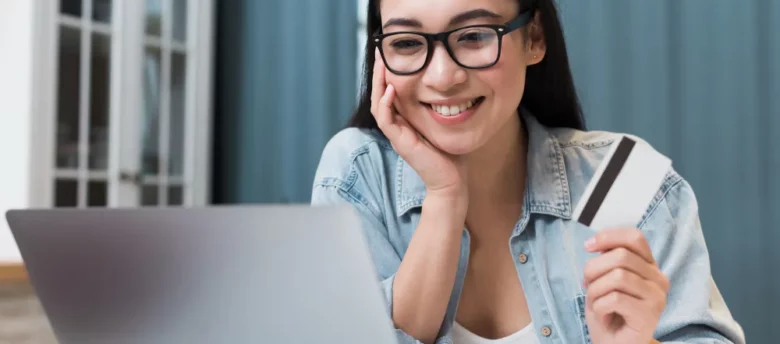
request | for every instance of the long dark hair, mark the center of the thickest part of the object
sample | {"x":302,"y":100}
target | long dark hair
{"x":549,"y":93}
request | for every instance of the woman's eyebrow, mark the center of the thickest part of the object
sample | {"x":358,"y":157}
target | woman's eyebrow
{"x":458,"y":19}
{"x":473,"y":14}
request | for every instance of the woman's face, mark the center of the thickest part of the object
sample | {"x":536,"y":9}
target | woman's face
{"x":493,"y":93}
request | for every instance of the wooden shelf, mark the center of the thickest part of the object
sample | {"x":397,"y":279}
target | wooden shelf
{"x":13,"y":273}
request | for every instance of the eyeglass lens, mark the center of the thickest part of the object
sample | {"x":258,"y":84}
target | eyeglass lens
{"x":473,"y":47}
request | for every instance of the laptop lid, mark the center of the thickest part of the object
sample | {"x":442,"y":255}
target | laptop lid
{"x":252,"y":274}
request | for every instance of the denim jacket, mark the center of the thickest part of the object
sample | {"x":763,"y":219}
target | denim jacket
{"x":360,"y":168}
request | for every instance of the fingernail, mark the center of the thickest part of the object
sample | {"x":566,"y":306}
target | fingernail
{"x":590,"y":244}
{"x":390,"y":88}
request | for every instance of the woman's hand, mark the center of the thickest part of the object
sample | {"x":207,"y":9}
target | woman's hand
{"x":626,"y":289}
{"x":443,"y":174}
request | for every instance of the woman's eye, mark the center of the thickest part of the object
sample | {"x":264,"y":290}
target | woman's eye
{"x":475,"y":37}
{"x":406,"y":44}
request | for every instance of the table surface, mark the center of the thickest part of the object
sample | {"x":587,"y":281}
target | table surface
{"x":12,"y":272}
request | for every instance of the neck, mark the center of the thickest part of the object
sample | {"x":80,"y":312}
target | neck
{"x":497,"y":171}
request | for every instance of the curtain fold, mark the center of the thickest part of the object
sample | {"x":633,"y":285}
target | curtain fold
{"x":285,"y":85}
{"x":700,"y":80}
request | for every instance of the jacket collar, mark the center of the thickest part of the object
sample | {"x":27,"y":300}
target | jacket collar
{"x":547,"y":190}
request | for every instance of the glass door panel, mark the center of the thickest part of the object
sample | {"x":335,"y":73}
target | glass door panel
{"x":164,"y":124}
{"x":83,"y":93}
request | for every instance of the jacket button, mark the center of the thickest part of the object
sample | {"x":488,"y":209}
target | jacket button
{"x":546,"y":331}
{"x":523,"y":258}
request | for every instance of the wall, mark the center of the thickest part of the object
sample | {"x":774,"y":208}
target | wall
{"x":700,"y":80}
{"x":16,"y":69}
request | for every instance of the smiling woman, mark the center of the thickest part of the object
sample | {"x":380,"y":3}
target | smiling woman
{"x":465,"y":158}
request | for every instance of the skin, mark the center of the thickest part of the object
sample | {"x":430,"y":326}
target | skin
{"x":626,"y":290}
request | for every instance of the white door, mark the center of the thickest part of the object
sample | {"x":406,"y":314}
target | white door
{"x":130,"y":88}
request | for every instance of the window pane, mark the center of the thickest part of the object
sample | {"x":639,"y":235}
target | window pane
{"x":151,"y":124}
{"x":153,"y":17}
{"x":101,"y":10}
{"x":72,"y":7}
{"x":180,"y":20}
{"x":178,"y":124}
{"x":65,"y":193}
{"x":100,"y":87}
{"x":149,"y":195}
{"x":68,"y":98}
{"x":175,"y":195}
{"x":97,"y":194}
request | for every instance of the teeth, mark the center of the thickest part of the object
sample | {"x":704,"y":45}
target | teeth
{"x":452,"y":110}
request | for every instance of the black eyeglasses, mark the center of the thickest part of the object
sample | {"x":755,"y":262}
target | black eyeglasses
{"x":472,"y":47}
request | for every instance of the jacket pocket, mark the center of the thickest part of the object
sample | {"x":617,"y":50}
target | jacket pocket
{"x":579,"y":309}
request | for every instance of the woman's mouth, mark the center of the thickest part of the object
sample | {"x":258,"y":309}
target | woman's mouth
{"x":454,"y":110}
{"x":455,"y":113}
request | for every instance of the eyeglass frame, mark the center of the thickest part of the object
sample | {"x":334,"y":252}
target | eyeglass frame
{"x":431,"y":38}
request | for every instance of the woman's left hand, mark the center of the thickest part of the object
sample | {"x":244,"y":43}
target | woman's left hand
{"x":626,"y":291}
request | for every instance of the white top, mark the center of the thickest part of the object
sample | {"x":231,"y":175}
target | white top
{"x":461,"y":335}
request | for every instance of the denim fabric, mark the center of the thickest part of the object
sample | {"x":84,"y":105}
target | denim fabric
{"x":359,"y":167}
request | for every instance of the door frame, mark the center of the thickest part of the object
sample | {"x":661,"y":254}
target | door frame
{"x":125,"y":101}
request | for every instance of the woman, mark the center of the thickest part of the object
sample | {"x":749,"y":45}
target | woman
{"x":465,"y":159}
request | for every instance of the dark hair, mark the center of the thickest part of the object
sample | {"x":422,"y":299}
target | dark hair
{"x":549,"y":95}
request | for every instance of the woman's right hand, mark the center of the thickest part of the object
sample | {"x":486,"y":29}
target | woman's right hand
{"x":420,"y":308}
{"x":444,"y":174}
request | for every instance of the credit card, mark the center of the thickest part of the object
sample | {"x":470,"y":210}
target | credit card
{"x":623,"y":186}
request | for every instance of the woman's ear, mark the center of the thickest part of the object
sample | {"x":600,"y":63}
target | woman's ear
{"x":536,"y":45}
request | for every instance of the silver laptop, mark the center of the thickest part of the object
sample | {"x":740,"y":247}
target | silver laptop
{"x":253,"y":274}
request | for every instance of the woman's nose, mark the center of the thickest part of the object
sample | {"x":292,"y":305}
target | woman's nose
{"x":442,"y":73}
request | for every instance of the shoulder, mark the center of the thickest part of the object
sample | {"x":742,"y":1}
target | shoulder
{"x":587,"y":149}
{"x":349,"y":149}
{"x":590,"y":147}
{"x":357,"y":165}
{"x":584,"y":151}
{"x":353,"y":141}
{"x":573,"y":139}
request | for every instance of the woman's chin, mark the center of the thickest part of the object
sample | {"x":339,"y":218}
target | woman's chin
{"x":454,"y":145}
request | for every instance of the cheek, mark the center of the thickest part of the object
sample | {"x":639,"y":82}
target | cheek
{"x":508,"y":77}
{"x":507,"y":80}
{"x":404,"y":87}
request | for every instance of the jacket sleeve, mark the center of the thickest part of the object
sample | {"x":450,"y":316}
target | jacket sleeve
{"x":695,"y":311}
{"x":385,"y":258}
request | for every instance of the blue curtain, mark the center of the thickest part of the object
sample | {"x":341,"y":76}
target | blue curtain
{"x":700,"y":80}
{"x":286,"y":82}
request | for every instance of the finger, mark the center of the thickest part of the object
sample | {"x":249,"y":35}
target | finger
{"x":396,"y":105}
{"x":637,"y":313}
{"x":378,"y":82}
{"x":632,"y":239}
{"x":627,"y":282}
{"x":622,"y":258}
{"x":409,"y":136}
{"x":384,"y":115}
{"x":402,"y":122}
